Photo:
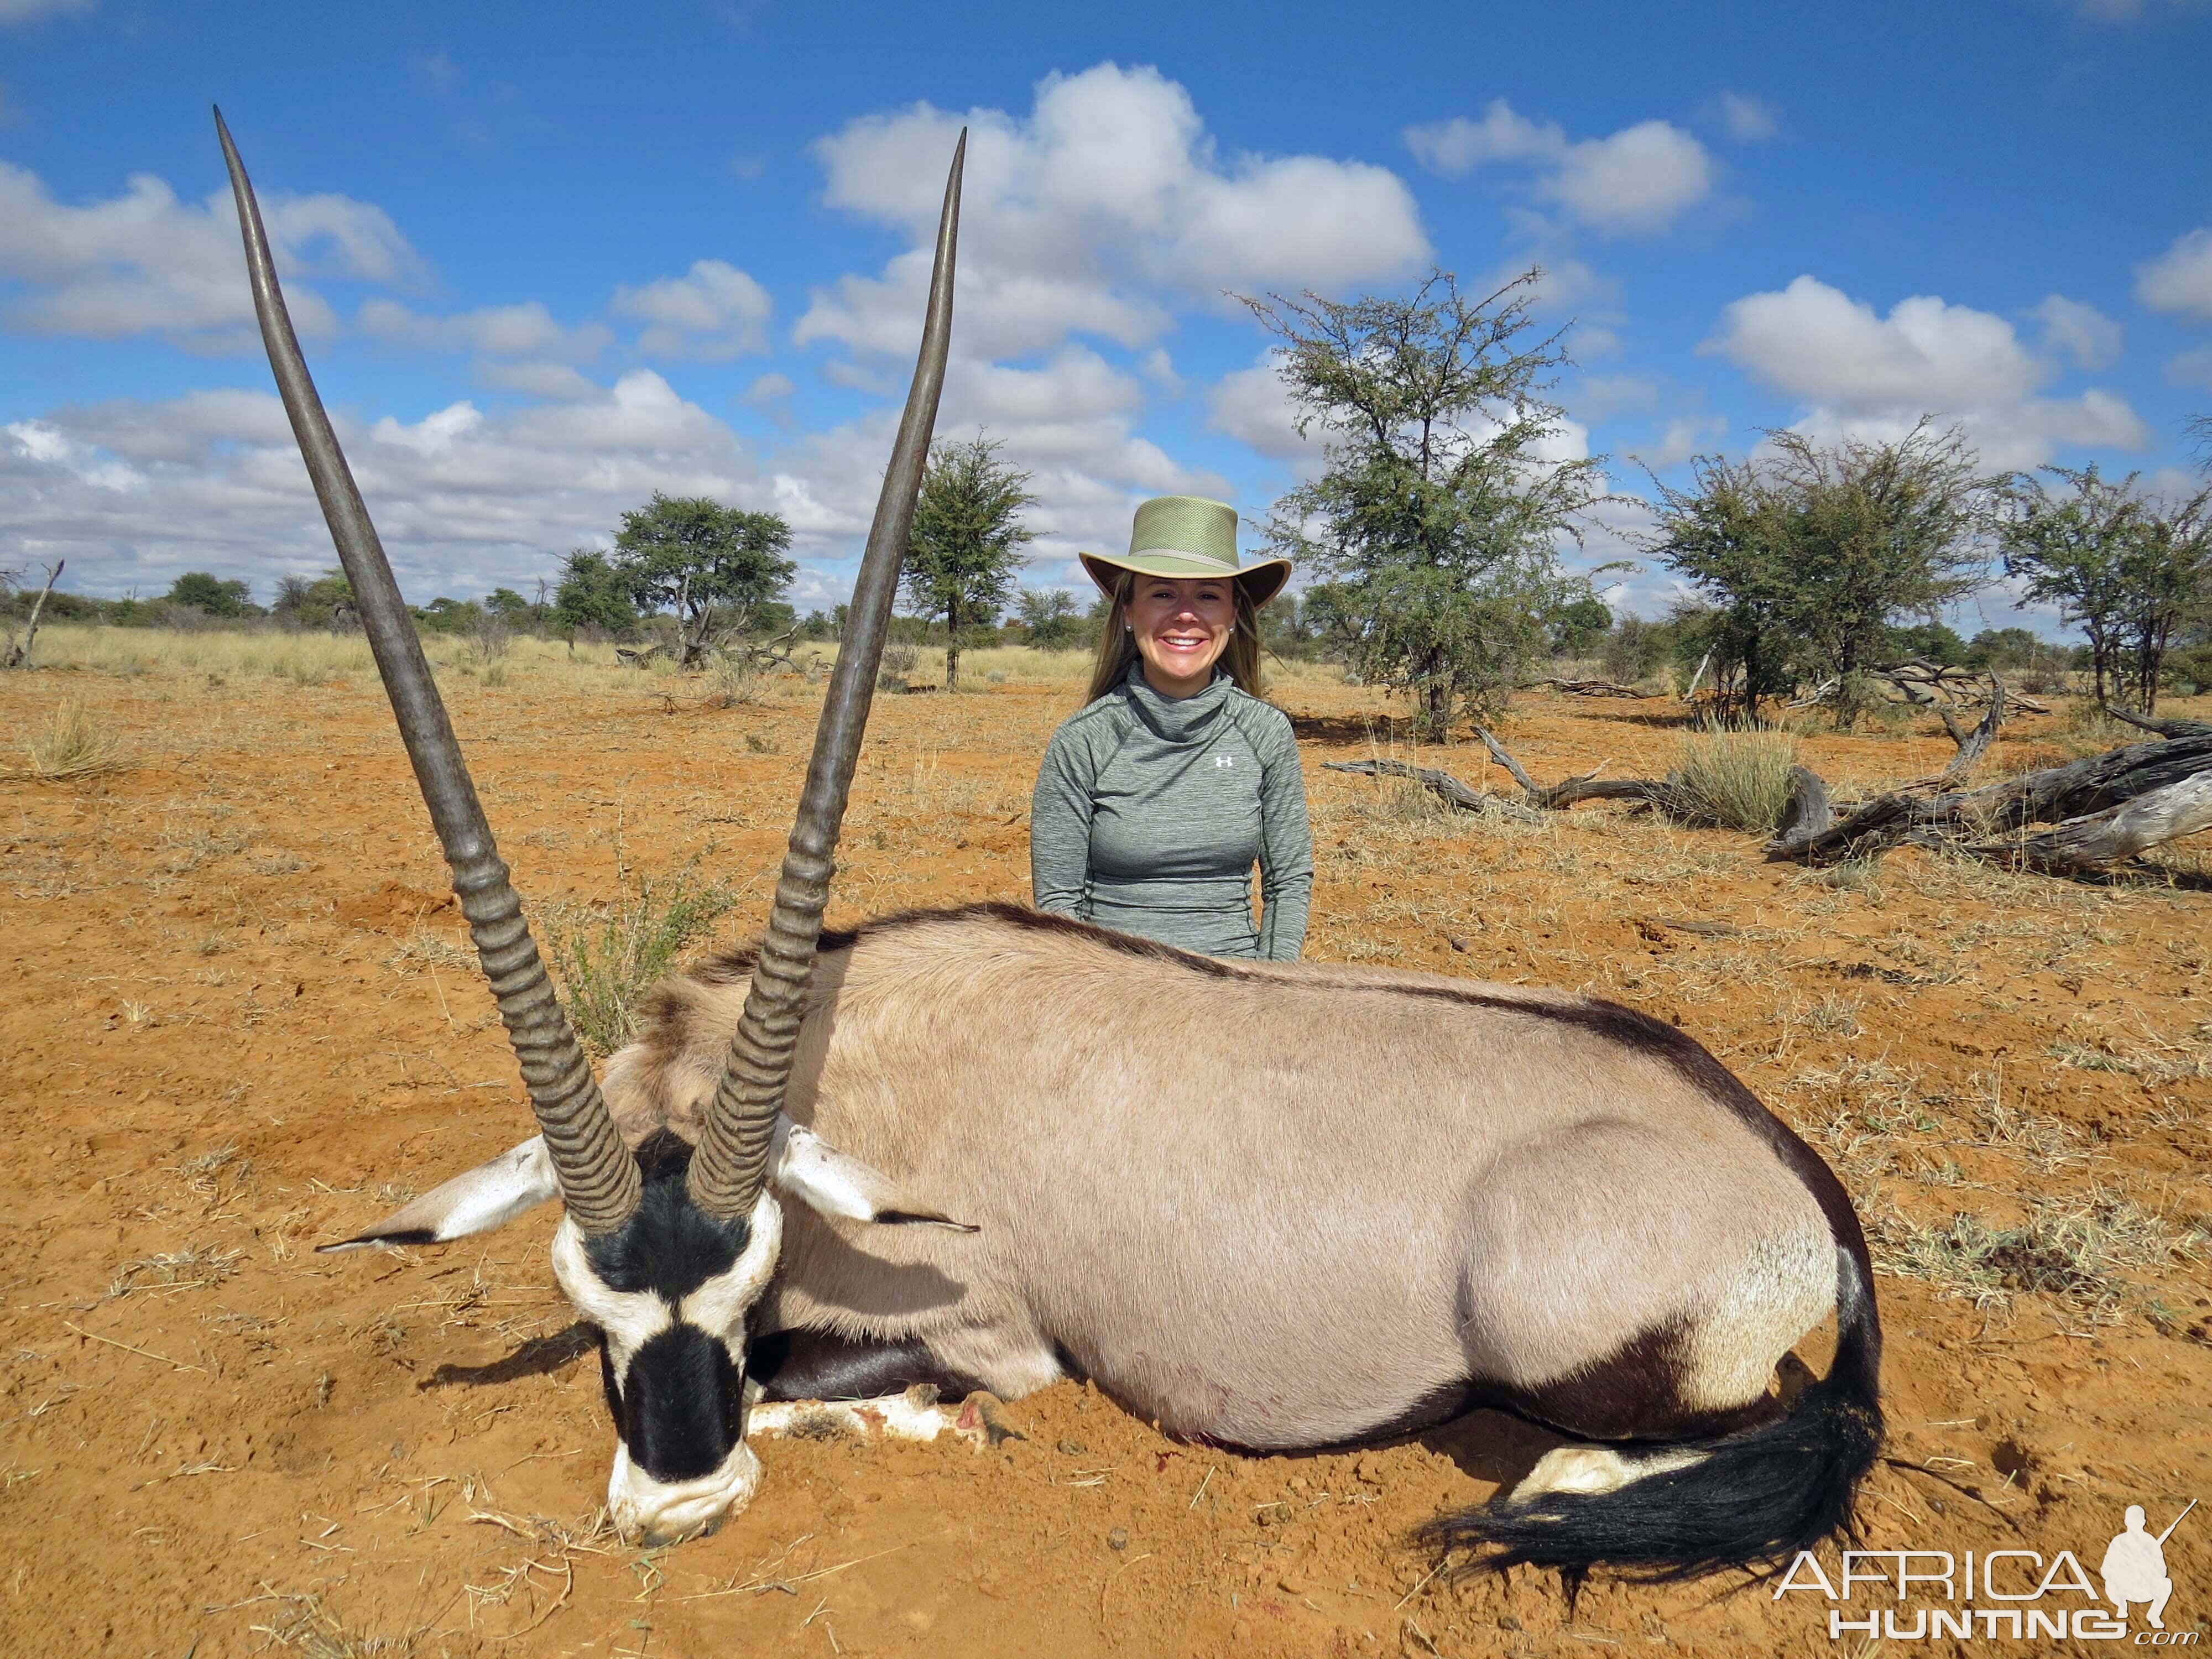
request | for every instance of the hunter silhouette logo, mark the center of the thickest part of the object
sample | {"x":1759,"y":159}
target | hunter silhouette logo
{"x":1932,"y":1595}
{"x":2134,"y":1568}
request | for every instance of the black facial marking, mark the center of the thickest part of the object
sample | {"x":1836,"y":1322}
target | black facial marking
{"x":670,"y":1247}
{"x":681,"y":1409}
{"x":679,"y":1404}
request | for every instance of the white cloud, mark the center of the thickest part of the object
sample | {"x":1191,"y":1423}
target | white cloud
{"x":1108,"y":201}
{"x":1814,"y":341}
{"x":1862,"y":373}
{"x":146,"y":263}
{"x":528,"y":330}
{"x":1681,"y":438}
{"x":1597,"y":397}
{"x":1747,"y":119}
{"x":1460,"y":145}
{"x":467,"y":498}
{"x":2179,"y":279}
{"x":2080,"y":330}
{"x":134,"y":493}
{"x":1252,"y":406}
{"x":714,"y":312}
{"x":1637,"y":181}
{"x":2192,"y":368}
{"x":26,"y":11}
{"x":770,"y":388}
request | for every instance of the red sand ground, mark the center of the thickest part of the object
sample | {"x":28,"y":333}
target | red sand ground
{"x":228,"y":1037}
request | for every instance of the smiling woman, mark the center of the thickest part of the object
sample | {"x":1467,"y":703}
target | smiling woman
{"x":1155,"y":800}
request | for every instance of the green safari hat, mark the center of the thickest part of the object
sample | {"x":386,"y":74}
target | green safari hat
{"x":1186,"y":536}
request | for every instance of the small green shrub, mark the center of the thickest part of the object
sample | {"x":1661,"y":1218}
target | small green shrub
{"x":609,"y":955}
{"x":898,"y":661}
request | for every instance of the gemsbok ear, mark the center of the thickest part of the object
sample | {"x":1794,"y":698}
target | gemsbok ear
{"x":803,"y":1166}
{"x":491,"y":1195}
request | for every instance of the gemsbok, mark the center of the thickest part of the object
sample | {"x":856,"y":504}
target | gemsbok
{"x":1271,"y":1205}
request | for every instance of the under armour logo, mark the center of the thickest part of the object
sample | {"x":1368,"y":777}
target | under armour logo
{"x":1224,"y":759}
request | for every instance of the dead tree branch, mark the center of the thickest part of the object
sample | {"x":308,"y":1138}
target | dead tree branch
{"x":1585,"y":785}
{"x":1588,"y":687}
{"x":19,"y":651}
{"x":1974,"y":745}
{"x":1443,"y":785}
{"x":2164,"y":728}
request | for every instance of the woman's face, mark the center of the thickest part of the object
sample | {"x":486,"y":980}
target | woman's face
{"x":1182,"y":626}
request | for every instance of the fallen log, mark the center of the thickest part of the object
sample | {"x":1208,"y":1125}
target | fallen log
{"x":1588,"y":688}
{"x":1583,"y":786}
{"x":2084,"y":846}
{"x":2056,"y":794}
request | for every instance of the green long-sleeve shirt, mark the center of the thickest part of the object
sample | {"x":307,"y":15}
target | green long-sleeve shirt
{"x":1150,"y":811}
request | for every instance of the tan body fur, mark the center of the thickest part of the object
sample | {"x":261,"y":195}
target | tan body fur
{"x":1272,"y":1205}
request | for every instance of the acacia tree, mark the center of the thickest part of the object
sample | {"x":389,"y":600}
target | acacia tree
{"x":717,"y":569}
{"x":967,"y":541}
{"x":201,"y":590}
{"x":1049,"y":615}
{"x":2167,"y":585}
{"x":1813,"y":552}
{"x":1438,"y":516}
{"x":1721,"y":535}
{"x":592,"y":594}
{"x":2073,"y":546}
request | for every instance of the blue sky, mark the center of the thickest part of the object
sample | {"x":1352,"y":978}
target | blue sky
{"x":551,"y":257}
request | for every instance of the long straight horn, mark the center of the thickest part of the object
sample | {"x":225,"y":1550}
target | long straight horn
{"x":731,"y":1160}
{"x":599,"y":1177}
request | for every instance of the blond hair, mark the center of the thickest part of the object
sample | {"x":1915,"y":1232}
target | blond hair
{"x":1117,"y":646}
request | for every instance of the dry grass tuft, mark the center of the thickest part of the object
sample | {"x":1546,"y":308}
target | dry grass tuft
{"x":304,"y":1626}
{"x":73,"y":745}
{"x":194,"y":1267}
{"x":2073,"y":1249}
{"x":1736,"y":780}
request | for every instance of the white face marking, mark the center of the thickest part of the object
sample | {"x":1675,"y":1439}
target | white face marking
{"x":641,"y":1506}
{"x":664,"y":1512}
{"x":633,"y":1318}
{"x":719,"y":1305}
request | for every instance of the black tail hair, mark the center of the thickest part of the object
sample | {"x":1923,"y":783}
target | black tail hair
{"x":1753,"y":1501}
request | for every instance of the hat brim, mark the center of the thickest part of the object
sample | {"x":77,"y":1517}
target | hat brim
{"x":1261,"y":580}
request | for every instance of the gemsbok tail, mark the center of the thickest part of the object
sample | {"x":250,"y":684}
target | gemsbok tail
{"x":1751,"y":1501}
